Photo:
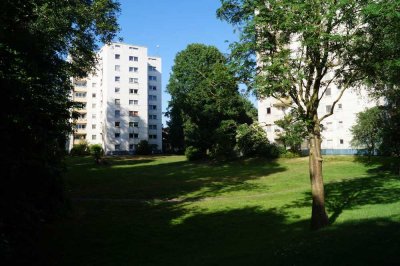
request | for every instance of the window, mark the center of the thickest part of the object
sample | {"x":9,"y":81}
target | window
{"x":117,"y":135}
{"x":133,"y":124}
{"x":152,"y":136}
{"x":329,"y":126}
{"x":117,"y":147}
{"x":117,"y":67}
{"x":117,"y":46}
{"x":328,"y":108}
{"x":80,"y":94}
{"x":94,"y":85}
{"x":328,"y":92}
{"x":117,"y":123}
{"x":135,"y":135}
{"x":152,"y":68}
{"x":130,"y":147}
{"x":80,"y":126}
{"x":152,"y":117}
{"x":93,"y":95}
{"x":117,"y":113}
{"x":130,"y":102}
{"x":153,"y":127}
{"x":340,"y":106}
{"x":133,"y":58}
{"x":133,"y":102}
{"x":133,"y":91}
{"x":94,"y":116}
{"x":117,"y":56}
{"x":153,"y":78}
{"x":117,"y":90}
{"x":153,"y":88}
{"x":117,"y":102}
{"x":269,"y":128}
{"x":153,"y":97}
{"x":152,"y":107}
{"x":133,"y":80}
{"x":93,"y":105}
{"x":133,"y":113}
{"x":117,"y":79}
{"x":268,"y":110}
{"x":340,"y":124}
{"x":94,"y":126}
{"x":133,"y":69}
{"x":133,"y":48}
{"x":93,"y":137}
{"x":341,"y":141}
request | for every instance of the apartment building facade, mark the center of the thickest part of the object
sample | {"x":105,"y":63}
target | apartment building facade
{"x":336,"y":134}
{"x":122,"y":100}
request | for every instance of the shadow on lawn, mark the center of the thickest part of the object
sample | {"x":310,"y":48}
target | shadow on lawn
{"x":174,"y":180}
{"x":119,"y":234}
{"x":378,"y":188}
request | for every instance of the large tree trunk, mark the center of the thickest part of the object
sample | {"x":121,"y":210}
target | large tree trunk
{"x":319,"y":217}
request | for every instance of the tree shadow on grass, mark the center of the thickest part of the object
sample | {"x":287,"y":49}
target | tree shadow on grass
{"x":348,"y":194}
{"x":380,"y":164}
{"x":172,"y":180}
{"x":142,"y":234}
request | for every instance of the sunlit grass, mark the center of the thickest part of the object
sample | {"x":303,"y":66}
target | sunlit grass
{"x":164,"y":210}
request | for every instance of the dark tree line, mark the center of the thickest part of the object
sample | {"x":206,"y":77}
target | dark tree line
{"x":36,"y":37}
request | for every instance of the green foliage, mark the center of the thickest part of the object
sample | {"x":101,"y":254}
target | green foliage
{"x":193,"y":153}
{"x":204,"y":101}
{"x":96,"y":150}
{"x":224,"y":146}
{"x":294,"y":132}
{"x":367,"y":131}
{"x":252,"y":141}
{"x":80,"y":149}
{"x":143,"y":148}
{"x":35,"y":77}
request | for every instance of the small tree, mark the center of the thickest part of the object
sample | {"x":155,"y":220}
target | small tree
{"x":96,"y":150}
{"x":143,"y":148}
{"x":253,"y":141}
{"x":294,"y":132}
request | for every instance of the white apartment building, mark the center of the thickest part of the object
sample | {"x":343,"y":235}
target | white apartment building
{"x":122,"y":100}
{"x":336,"y":135}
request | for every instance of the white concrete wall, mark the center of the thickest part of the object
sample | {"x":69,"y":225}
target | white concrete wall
{"x":337,"y":126}
{"x":102,"y":83}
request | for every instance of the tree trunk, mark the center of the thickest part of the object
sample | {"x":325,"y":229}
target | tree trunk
{"x":319,"y":218}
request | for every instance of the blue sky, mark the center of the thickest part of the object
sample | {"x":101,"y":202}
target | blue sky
{"x":172,"y":25}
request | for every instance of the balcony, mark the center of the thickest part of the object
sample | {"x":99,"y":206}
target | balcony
{"x":283,"y":102}
{"x":80,"y":99}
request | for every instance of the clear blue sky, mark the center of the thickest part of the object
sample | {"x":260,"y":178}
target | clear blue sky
{"x":172,"y":25}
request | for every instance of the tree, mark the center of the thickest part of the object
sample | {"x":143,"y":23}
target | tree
{"x":36,"y":36}
{"x":204,"y":100}
{"x":251,"y":140}
{"x":96,"y":150}
{"x":294,"y":132}
{"x":299,"y":49}
{"x":367,"y":131}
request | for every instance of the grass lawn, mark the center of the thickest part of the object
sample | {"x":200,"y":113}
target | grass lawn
{"x":167,"y":211}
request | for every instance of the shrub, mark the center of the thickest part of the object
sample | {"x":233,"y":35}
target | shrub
{"x":80,"y":149}
{"x":193,"y":153}
{"x":143,"y":148}
{"x":252,"y":141}
{"x":96,"y":150}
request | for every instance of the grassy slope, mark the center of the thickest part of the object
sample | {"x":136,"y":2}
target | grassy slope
{"x":166,"y":211}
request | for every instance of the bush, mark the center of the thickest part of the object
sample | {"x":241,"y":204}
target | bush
{"x":193,"y":153}
{"x":252,"y":141}
{"x":80,"y":149}
{"x":96,"y":150}
{"x":143,"y":148}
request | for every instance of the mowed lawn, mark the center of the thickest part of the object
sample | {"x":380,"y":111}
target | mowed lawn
{"x":165,"y":210}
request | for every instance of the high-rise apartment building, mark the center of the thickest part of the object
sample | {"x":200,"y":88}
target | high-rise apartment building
{"x":122,"y":100}
{"x":336,"y":134}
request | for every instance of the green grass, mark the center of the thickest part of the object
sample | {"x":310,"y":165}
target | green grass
{"x":167,"y":211}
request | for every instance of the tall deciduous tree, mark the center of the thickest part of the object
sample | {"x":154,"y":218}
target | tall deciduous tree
{"x":205,"y":100}
{"x":36,"y":36}
{"x":299,"y":49}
